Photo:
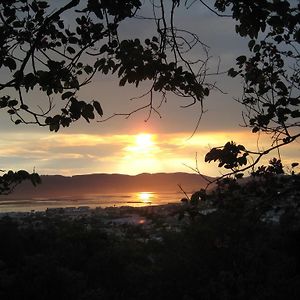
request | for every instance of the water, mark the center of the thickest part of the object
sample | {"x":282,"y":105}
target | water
{"x":98,"y":200}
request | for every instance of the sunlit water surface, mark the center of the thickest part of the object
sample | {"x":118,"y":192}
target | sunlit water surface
{"x":100,"y":200}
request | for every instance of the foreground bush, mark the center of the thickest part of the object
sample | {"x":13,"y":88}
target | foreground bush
{"x":235,"y":252}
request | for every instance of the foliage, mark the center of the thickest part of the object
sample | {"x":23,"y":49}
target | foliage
{"x":41,"y":54}
{"x":10,"y":180}
{"x":275,"y":168}
{"x":40,"y":51}
{"x":230,"y":156}
{"x":270,"y":74}
{"x":232,"y":253}
{"x":266,"y":186}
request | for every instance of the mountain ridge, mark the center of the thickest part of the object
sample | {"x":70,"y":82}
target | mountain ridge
{"x":60,"y":185}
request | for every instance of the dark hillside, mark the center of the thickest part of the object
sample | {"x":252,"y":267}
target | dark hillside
{"x":56,"y":185}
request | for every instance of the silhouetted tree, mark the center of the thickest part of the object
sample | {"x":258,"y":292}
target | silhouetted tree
{"x":40,"y":51}
{"x":270,"y":75}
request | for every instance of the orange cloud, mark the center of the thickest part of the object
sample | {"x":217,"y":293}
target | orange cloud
{"x":129,"y":154}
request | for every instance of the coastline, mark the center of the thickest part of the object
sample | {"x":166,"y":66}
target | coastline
{"x":138,"y":199}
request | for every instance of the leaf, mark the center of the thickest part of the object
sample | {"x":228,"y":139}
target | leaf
{"x":154,"y":47}
{"x":280,"y":85}
{"x":239,"y":175}
{"x":103,"y":49}
{"x":12,"y":103}
{"x":123,"y":81}
{"x":232,"y":72}
{"x":48,"y":120}
{"x":98,"y":108}
{"x":88,"y":69}
{"x":73,"y":40}
{"x":87,"y":112}
{"x":71,"y":50}
{"x":251,"y":44}
{"x":67,"y":95}
{"x":54,"y":127}
{"x":99,"y":63}
{"x":241,"y":59}
{"x":11,"y":111}
{"x":155,"y":39}
{"x":295,"y":114}
{"x":294,"y":101}
{"x":121,"y":71}
{"x":9,"y":62}
{"x":60,"y":24}
{"x":206,"y":92}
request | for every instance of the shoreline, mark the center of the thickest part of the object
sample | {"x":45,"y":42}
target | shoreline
{"x":93,"y":201}
{"x":87,"y":211}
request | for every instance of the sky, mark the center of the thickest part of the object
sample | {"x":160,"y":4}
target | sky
{"x":133,"y":146}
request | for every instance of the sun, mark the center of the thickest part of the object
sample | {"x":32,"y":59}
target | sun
{"x":141,"y":155}
{"x":143,"y":143}
{"x":145,"y":196}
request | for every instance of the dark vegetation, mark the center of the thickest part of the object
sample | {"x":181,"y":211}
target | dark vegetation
{"x":236,"y":252}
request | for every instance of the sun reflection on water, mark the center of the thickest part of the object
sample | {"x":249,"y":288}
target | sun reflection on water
{"x":145,"y":197}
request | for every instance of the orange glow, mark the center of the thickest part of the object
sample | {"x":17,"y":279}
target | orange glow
{"x":145,"y":196}
{"x":144,"y":152}
{"x":141,"y":155}
{"x":143,"y":143}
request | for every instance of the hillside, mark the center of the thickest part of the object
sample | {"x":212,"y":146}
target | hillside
{"x":57,"y":185}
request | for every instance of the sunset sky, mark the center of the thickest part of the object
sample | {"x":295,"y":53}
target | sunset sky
{"x":132,"y":146}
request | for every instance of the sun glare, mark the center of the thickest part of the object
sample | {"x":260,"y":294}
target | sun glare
{"x":143,"y":143}
{"x":145,"y":196}
{"x":141,"y":155}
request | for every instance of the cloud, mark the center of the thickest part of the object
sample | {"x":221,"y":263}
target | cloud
{"x":70,"y":154}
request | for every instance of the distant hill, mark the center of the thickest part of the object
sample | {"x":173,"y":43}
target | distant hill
{"x":57,"y":185}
